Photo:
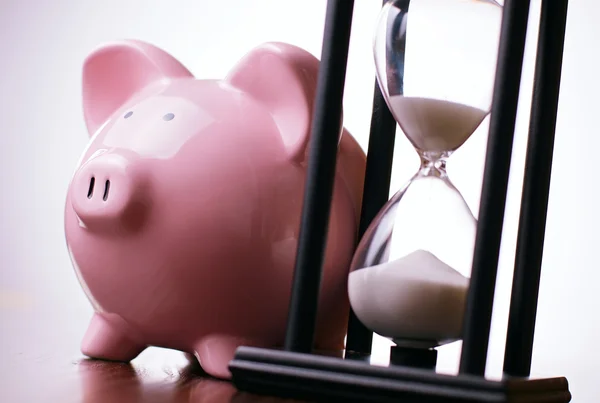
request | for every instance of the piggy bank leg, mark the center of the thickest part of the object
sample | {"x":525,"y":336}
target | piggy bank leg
{"x":108,"y":337}
{"x":215,"y":352}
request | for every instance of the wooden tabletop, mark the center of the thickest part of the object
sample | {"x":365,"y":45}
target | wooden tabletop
{"x":40,"y":333}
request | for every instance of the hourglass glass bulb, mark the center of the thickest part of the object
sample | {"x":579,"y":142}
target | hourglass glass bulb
{"x":409,"y":275}
{"x":436,"y":66}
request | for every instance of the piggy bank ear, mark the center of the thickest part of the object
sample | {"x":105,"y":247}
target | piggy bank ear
{"x":115,"y":72}
{"x":283,"y":78}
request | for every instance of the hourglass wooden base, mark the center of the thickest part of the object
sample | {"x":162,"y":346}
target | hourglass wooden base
{"x":320,"y":378}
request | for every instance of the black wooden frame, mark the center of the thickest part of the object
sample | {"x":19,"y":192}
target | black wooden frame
{"x":296,"y":371}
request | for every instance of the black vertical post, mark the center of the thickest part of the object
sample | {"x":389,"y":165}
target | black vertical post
{"x":320,"y":177}
{"x":480,"y":298}
{"x":536,"y":189}
{"x":378,"y":175}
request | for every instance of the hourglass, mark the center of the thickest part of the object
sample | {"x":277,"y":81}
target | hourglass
{"x":435,"y":67}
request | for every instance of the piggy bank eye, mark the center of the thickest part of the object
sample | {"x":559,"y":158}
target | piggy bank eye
{"x":128,"y":114}
{"x":168,"y":116}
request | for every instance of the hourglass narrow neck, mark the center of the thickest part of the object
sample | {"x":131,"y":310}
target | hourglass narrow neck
{"x":433,"y":164}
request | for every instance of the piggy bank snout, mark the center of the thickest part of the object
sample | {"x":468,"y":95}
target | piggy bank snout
{"x":108,"y":193}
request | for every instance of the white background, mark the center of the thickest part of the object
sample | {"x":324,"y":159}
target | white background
{"x":42,"y":133}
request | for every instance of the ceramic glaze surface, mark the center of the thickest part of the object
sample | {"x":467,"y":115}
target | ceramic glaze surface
{"x":183,"y":215}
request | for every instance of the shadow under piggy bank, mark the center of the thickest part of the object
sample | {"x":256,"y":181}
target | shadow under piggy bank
{"x":165,"y":379}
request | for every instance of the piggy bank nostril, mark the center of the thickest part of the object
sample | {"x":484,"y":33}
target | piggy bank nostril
{"x":91,"y":188}
{"x":106,"y":190}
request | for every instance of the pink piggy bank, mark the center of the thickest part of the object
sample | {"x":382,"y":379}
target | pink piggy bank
{"x":183,"y":215}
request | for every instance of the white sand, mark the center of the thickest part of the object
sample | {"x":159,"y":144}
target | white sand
{"x":416,"y":297}
{"x":435,"y":125}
